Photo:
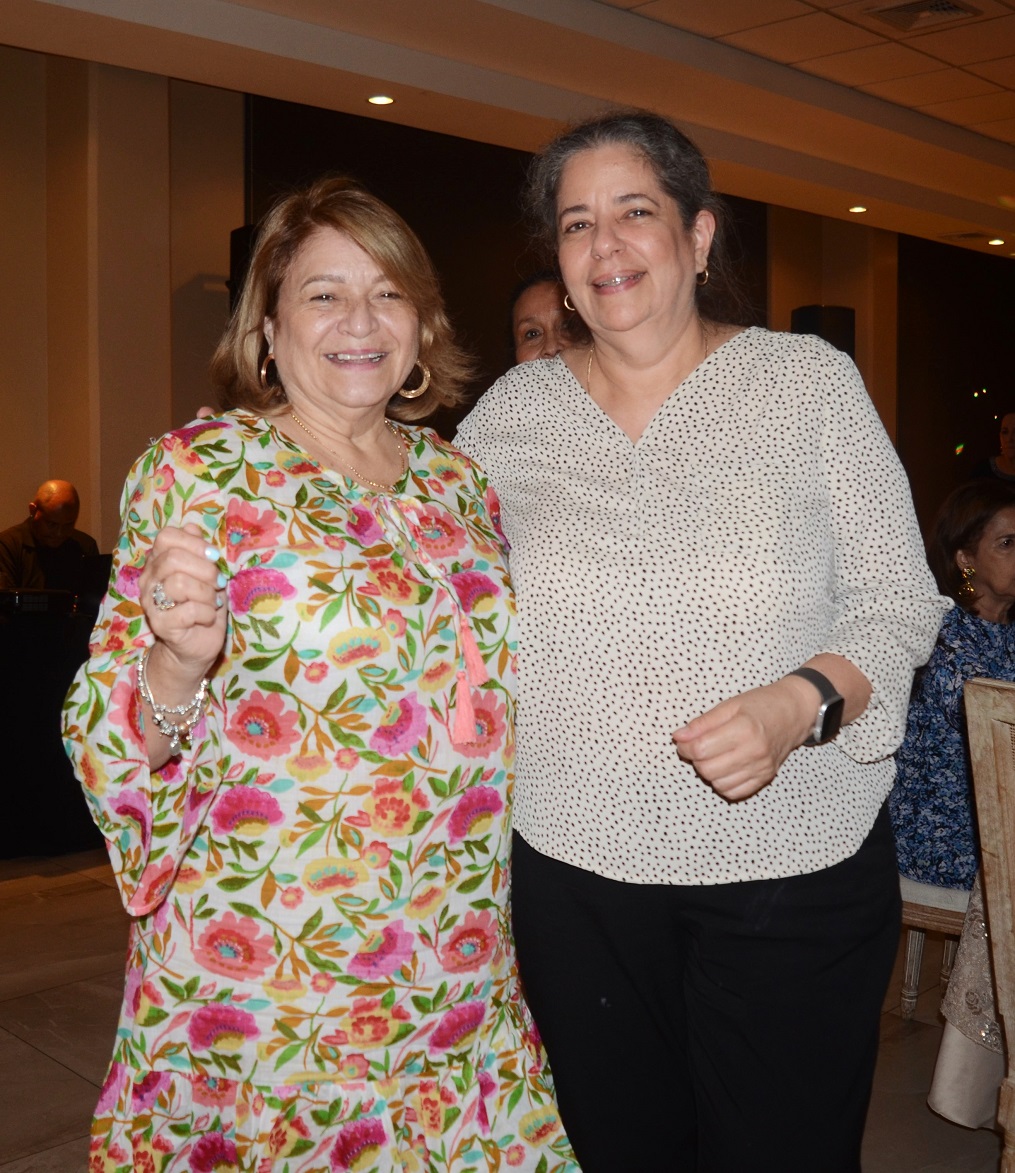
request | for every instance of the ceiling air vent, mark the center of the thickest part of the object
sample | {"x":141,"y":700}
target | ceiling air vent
{"x":924,"y":14}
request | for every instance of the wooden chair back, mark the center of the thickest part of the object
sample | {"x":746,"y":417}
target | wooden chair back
{"x":990,"y":715}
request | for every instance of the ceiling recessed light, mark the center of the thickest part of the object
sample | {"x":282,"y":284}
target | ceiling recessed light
{"x":995,"y":241}
{"x":856,"y":209}
{"x":380,"y":100}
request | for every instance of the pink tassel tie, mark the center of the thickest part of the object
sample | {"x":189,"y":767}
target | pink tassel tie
{"x":475,"y":674}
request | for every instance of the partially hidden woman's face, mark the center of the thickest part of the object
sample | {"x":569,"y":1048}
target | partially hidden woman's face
{"x":1008,"y":436}
{"x":343,"y":335}
{"x":994,"y":563}
{"x":538,"y":322}
{"x":624,"y":252}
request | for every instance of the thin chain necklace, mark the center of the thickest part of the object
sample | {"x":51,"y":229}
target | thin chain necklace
{"x":403,"y":456}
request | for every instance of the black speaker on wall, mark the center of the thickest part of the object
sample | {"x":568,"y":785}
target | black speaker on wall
{"x":834,"y":323}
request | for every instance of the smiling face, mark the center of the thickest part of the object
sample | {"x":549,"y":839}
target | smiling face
{"x":626,"y":257}
{"x":538,"y":322}
{"x":343,"y":335}
{"x":993,"y":560}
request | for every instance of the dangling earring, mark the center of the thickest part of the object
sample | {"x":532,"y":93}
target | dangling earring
{"x":702,"y":278}
{"x":269,"y":357}
{"x":416,"y":392}
{"x":567,"y":303}
{"x":966,"y":589}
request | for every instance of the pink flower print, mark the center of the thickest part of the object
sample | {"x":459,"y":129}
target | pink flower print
{"x":354,"y":1066}
{"x":146,"y":1090}
{"x":358,"y":1144}
{"x":471,"y":944}
{"x":213,"y":1091}
{"x":285,"y":1135}
{"x":330,"y":874}
{"x":358,"y":645}
{"x":474,"y":813}
{"x":296,"y":465}
{"x":493,"y":508}
{"x":291,"y":897}
{"x":322,"y":983}
{"x":233,"y":947}
{"x":192,"y":431}
{"x":394,"y":623}
{"x":396,"y":584}
{"x":130,"y":807}
{"x":539,"y":1125}
{"x":490,"y":727}
{"x":126,"y":582}
{"x":110,"y":1088}
{"x":125,"y":707}
{"x":347,"y":758}
{"x":382,"y":953}
{"x":221,"y":1028}
{"x":457,"y":1027}
{"x":259,"y":590}
{"x":476,"y":591}
{"x":316,"y":671}
{"x":213,"y":1152}
{"x":391,"y":810}
{"x":369,"y":1024}
{"x":515,"y":1155}
{"x":275,"y":478}
{"x":364,"y":526}
{"x":262,"y":727}
{"x":438,"y":532}
{"x":115,"y":637}
{"x":403,"y":724}
{"x":249,"y":528}
{"x":163,"y":479}
{"x":376,"y":854}
{"x":245,"y":811}
{"x":446,"y":469}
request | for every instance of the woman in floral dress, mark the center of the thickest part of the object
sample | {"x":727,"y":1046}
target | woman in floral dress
{"x":295,"y":731}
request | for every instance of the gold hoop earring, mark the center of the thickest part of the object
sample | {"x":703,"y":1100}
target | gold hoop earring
{"x":702,"y":278}
{"x":416,"y":392}
{"x":567,"y":303}
{"x":269,"y":357}
{"x":966,"y":589}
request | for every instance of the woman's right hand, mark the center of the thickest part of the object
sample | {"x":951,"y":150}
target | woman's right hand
{"x":189,"y":635}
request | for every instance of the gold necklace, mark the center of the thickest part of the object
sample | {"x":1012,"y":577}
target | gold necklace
{"x":592,"y":351}
{"x":403,"y":455}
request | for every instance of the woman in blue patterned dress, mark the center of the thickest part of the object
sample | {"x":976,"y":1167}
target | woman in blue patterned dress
{"x":295,"y":731}
{"x":972,"y":553}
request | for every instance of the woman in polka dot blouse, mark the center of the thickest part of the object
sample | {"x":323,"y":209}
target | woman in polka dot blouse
{"x":705,"y":893}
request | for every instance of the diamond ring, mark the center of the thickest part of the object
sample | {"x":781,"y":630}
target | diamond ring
{"x":161,"y":599}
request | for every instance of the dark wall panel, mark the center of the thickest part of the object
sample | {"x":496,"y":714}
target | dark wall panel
{"x":956,"y":340}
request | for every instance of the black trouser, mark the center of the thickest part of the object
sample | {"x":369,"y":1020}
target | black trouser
{"x":731,"y":1028}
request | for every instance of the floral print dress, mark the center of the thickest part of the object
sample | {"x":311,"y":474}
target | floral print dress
{"x":321,"y":975}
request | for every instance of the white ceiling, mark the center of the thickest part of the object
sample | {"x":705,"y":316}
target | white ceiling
{"x":813,"y":104}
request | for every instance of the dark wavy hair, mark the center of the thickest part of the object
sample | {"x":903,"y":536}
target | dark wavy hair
{"x":575,"y":328}
{"x":343,"y":204}
{"x":682,"y":173}
{"x":959,"y":525}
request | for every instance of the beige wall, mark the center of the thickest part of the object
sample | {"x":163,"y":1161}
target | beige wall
{"x":24,"y":444}
{"x":817,"y":261}
{"x":124,"y":188}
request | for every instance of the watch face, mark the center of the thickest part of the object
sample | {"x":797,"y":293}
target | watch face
{"x":831,"y":718}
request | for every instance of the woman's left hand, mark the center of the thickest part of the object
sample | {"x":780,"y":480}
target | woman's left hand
{"x":738,"y":746}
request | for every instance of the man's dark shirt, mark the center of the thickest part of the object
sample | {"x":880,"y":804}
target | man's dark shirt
{"x":27,"y":566}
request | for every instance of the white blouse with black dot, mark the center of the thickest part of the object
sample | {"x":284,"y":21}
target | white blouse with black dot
{"x":762,"y":517}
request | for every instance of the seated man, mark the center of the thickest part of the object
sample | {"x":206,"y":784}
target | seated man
{"x":46,"y":552}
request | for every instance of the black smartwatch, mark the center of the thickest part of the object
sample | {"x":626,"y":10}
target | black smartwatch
{"x":828,"y":722}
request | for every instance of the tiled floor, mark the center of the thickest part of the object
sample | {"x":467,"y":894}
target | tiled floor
{"x":61,"y":969}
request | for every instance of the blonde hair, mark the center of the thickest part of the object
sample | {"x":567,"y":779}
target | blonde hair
{"x":342,"y":204}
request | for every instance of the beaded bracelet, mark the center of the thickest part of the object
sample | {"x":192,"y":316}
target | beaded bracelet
{"x":163,"y":715}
